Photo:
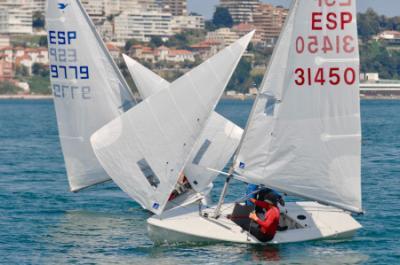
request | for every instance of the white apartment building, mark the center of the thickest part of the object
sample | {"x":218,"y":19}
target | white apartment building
{"x":241,"y":10}
{"x":142,"y":25}
{"x":39,"y":6}
{"x":95,"y":9}
{"x":225,"y":36}
{"x":15,"y":16}
{"x":180,"y":23}
{"x":4,"y":41}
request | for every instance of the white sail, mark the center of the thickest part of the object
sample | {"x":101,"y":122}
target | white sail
{"x":145,"y":150}
{"x":89,"y":91}
{"x":304,"y":133}
{"x":217,"y":143}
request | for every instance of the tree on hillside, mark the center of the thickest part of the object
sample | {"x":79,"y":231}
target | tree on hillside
{"x":129,"y":43}
{"x":179,"y":41}
{"x":156,"y":41}
{"x":8,"y":88}
{"x":38,"y":20}
{"x":40,"y":69}
{"x":222,"y":18}
{"x":43,"y":41}
{"x":240,"y":79}
{"x":368,"y":24}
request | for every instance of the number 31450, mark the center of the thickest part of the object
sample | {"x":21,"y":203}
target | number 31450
{"x":321,"y":76}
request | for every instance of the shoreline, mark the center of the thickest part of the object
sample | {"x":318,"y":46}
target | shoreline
{"x":26,"y":97}
{"x":237,"y":97}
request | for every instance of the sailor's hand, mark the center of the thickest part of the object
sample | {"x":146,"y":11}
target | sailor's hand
{"x":253,"y":216}
{"x":253,"y":200}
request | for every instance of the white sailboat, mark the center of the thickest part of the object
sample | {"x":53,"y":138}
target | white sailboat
{"x":303,"y":136}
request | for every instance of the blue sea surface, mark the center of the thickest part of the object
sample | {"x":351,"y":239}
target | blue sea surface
{"x":41,"y":222}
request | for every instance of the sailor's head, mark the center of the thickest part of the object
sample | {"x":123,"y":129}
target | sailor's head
{"x":271,"y":200}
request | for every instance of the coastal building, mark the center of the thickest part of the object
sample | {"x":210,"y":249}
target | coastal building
{"x":244,"y":28}
{"x":269,"y":21}
{"x":142,"y":25}
{"x":143,"y":53}
{"x":180,"y":23}
{"x":240,"y":10}
{"x":39,"y":6}
{"x":207,"y":48}
{"x":173,"y":55}
{"x":6,"y":69}
{"x":7,"y":53}
{"x":226,"y":36}
{"x":175,"y":7}
{"x":95,"y":9}
{"x":163,"y":53}
{"x":390,"y":37}
{"x":16,"y":17}
{"x":114,"y":51}
{"x":4,"y":41}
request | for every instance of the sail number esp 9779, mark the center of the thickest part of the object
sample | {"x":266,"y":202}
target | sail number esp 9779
{"x":64,"y":66}
{"x":332,"y":19}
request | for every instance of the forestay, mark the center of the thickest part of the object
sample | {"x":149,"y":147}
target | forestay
{"x":304,"y":133}
{"x":88,"y":89}
{"x":216,"y":144}
{"x":146,"y":149}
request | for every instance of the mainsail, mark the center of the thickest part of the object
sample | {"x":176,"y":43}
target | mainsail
{"x":304,"y":134}
{"x":146,"y":149}
{"x":89,"y":90}
{"x":217,"y":143}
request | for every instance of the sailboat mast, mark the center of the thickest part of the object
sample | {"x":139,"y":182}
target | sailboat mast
{"x":253,"y":109}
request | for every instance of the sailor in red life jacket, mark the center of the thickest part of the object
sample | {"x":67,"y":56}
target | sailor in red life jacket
{"x":265,"y":225}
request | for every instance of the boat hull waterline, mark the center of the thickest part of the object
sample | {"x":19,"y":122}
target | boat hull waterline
{"x":306,"y":221}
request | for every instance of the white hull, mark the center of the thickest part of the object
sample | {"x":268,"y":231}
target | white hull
{"x":186,"y":225}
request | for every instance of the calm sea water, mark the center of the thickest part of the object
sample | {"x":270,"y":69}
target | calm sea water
{"x":42,"y":223}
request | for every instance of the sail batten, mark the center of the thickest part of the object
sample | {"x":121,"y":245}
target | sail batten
{"x":303,"y":135}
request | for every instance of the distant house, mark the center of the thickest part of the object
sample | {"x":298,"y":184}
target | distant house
{"x":390,"y":36}
{"x":26,"y":61}
{"x":244,"y":28}
{"x":38,"y":55}
{"x":172,"y":55}
{"x":7,"y":53}
{"x":207,"y":48}
{"x":225,"y":36}
{"x":142,"y":53}
{"x":4,"y":41}
{"x":6,"y":69}
{"x":114,"y":51}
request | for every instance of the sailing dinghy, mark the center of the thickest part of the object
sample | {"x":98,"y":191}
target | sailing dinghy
{"x":303,"y":137}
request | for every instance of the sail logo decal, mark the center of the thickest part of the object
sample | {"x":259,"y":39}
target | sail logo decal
{"x":156,"y":206}
{"x":62,"y":6}
{"x":242,"y":165}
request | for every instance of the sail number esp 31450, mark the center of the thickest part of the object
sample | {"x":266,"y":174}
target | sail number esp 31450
{"x":329,"y":27}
